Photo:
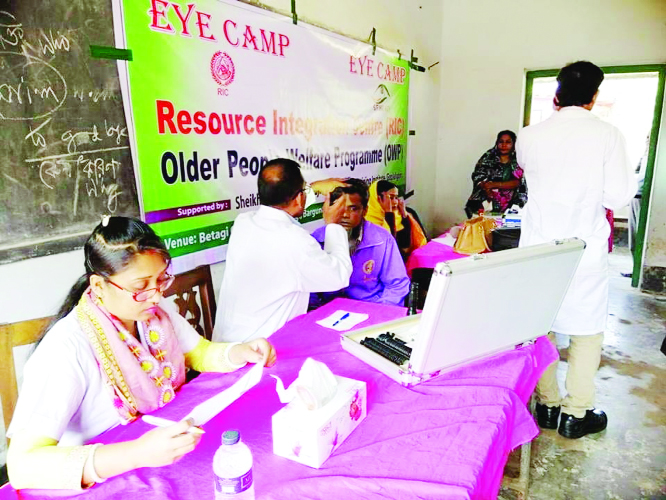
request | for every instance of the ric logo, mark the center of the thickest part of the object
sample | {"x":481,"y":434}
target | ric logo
{"x":381,"y":94}
{"x":222,"y":70}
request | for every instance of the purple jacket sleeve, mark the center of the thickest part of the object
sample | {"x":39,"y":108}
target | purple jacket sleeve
{"x":393,"y":276}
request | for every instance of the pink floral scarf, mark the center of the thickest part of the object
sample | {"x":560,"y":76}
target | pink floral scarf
{"x":140,"y":380}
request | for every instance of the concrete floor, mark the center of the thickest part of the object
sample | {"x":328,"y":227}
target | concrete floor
{"x":627,"y":461}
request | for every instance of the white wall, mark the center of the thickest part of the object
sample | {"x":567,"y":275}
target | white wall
{"x":401,"y":25}
{"x":486,"y":48}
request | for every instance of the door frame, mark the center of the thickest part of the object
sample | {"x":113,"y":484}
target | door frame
{"x":660,"y":69}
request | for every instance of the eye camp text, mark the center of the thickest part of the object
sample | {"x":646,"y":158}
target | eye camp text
{"x":191,"y":22}
{"x":366,"y":66}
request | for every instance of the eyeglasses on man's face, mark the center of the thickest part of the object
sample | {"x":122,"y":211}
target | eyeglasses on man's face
{"x":143,"y":295}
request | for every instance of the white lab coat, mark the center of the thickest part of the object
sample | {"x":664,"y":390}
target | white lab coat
{"x":576,"y":165}
{"x":273,"y":265}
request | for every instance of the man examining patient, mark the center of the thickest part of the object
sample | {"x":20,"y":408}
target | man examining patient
{"x":273,"y":264}
{"x":379,"y":273}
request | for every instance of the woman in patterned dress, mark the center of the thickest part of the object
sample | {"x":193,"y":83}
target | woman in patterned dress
{"x":497,"y":178}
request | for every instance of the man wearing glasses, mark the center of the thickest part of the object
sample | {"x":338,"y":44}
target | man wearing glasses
{"x":273,"y":264}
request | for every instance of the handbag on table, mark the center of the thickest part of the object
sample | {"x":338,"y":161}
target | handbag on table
{"x":475,"y":236}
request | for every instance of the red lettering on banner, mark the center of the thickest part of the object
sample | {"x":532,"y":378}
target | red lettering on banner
{"x":364,"y":65}
{"x":157,"y":15}
{"x":183,"y":20}
{"x":249,"y":38}
{"x":261,"y":125}
{"x":165,"y":115}
{"x":396,"y":126}
{"x":184,"y":122}
{"x":248,"y":128}
{"x":284,"y":43}
{"x":159,"y":19}
{"x":215,"y":123}
{"x":226,"y":32}
{"x":268,"y":45}
{"x":200,"y":121}
{"x":391,"y":73}
{"x":202,"y":25}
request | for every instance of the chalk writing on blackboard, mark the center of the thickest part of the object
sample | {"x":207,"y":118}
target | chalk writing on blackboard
{"x":64,"y":148}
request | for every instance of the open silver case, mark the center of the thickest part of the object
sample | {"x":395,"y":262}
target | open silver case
{"x":477,"y":306}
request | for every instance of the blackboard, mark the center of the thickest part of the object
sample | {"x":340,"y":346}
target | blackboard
{"x":64,"y":151}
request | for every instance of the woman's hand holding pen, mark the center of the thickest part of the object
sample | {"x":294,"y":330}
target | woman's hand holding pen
{"x":156,"y":448}
{"x":165,"y":445}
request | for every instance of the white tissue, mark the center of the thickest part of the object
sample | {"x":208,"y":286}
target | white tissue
{"x":313,"y":388}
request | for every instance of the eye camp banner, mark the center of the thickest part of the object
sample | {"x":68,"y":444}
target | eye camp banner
{"x":214,"y":90}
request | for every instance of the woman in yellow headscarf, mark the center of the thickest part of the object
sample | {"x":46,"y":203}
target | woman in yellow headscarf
{"x":387,"y":210}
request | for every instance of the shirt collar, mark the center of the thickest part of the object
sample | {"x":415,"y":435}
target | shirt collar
{"x":266,"y":212}
{"x":368,"y":236}
{"x":574,"y":110}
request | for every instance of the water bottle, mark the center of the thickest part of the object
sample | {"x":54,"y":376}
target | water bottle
{"x":232,"y":465}
{"x":413,"y":299}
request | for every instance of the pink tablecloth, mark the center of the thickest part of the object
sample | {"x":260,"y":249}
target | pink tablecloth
{"x":446,"y":439}
{"x":429,"y":255}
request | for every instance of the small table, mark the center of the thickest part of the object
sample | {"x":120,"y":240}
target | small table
{"x":430,"y":254}
{"x":447,"y":438}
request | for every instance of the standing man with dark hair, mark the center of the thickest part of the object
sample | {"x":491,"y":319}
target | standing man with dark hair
{"x":273,"y":263}
{"x":379,"y":274}
{"x":576,"y":166}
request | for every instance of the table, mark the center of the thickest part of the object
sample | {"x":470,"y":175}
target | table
{"x":448,"y":438}
{"x":430,"y":254}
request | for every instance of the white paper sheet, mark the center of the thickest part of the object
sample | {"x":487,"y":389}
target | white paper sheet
{"x":342,"y":320}
{"x":203,"y":412}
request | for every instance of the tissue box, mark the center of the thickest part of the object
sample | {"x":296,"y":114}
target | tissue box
{"x":309,"y":437}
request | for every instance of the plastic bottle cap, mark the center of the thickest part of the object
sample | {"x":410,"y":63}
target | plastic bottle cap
{"x":230,"y":437}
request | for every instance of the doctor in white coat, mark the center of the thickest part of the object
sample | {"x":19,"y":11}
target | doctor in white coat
{"x":273,"y":264}
{"x":576,"y":166}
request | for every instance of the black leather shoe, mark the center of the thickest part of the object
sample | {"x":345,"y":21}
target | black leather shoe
{"x":547,"y":416}
{"x":574,"y":428}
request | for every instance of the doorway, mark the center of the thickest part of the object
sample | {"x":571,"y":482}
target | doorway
{"x":631,"y":98}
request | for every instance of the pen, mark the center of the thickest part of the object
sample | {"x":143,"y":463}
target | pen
{"x":163,"y":422}
{"x":344,"y":316}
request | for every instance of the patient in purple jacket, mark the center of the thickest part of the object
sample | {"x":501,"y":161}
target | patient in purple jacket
{"x":379,"y":273}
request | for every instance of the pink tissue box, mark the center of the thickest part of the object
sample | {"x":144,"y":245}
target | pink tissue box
{"x":309,"y":437}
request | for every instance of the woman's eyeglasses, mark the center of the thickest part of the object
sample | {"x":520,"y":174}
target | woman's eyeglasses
{"x":144,"y":295}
